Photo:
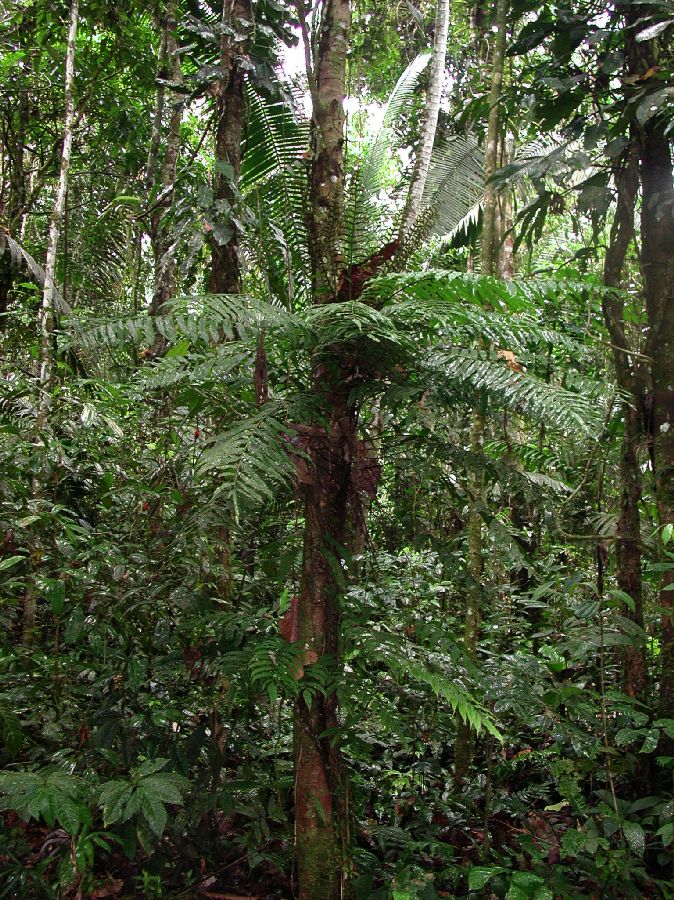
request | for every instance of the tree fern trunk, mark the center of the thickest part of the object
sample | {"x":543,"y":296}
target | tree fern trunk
{"x":320,"y":790}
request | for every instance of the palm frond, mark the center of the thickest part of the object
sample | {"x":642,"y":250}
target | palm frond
{"x":369,"y":221}
{"x":21,"y":257}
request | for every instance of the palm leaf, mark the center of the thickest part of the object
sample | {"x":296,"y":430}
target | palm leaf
{"x":369,"y":222}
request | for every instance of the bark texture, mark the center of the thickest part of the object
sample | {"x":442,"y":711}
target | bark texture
{"x":235,"y":24}
{"x":47,"y":311}
{"x":321,"y":838}
{"x":629,"y":376}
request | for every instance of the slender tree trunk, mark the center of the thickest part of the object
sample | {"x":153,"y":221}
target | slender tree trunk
{"x":630,"y":381}
{"x":225,"y":275}
{"x":229,"y":118}
{"x":47,"y":312}
{"x":489,"y":266}
{"x":489,"y":249}
{"x":464,"y":739}
{"x":657,"y":261}
{"x":321,"y":830}
{"x":160,"y":231}
{"x":657,"y":271}
{"x":16,"y":202}
{"x":152,"y":160}
{"x":362,"y":501}
{"x":433,"y":97}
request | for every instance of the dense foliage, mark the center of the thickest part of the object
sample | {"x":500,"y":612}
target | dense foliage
{"x":287,"y":458}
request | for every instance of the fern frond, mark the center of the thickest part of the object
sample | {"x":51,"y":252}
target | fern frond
{"x":426,"y":667}
{"x":454,"y":371}
{"x":251,"y":461}
{"x":274,"y":180}
{"x":207,"y":318}
{"x":438,"y":289}
{"x":276,"y":138}
{"x":454,"y":186}
{"x":195,"y":369}
{"x":356,"y":325}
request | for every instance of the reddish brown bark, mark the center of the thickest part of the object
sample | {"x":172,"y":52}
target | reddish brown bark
{"x":320,"y":791}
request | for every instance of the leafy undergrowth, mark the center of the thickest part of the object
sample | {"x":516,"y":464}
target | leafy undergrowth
{"x":162,"y":766}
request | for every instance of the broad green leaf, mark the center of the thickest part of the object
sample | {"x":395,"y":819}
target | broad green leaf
{"x":10,"y":561}
{"x":113,"y":798}
{"x":153,"y":810}
{"x":635,"y":837}
{"x":167,"y":788}
{"x":478,"y":876}
{"x":70,"y":814}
